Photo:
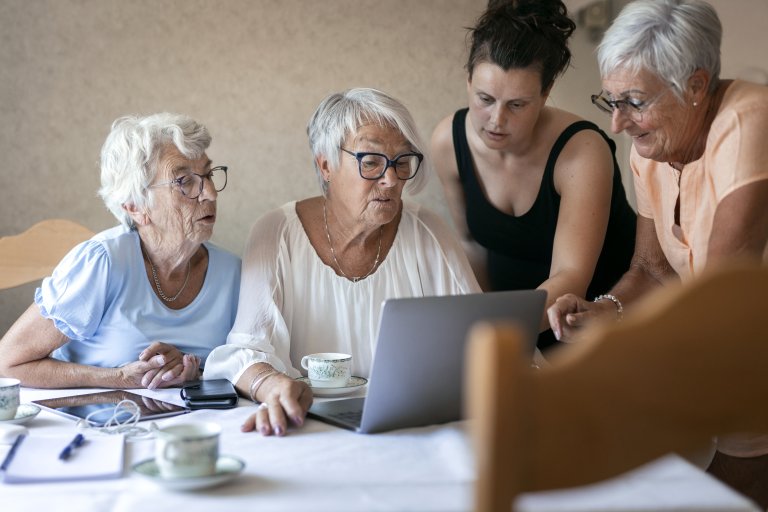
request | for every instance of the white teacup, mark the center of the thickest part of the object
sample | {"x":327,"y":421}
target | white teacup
{"x":187,"y":450}
{"x":328,"y":369}
{"x":9,"y":397}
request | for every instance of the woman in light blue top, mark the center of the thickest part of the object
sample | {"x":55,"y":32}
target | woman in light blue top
{"x":141,"y":304}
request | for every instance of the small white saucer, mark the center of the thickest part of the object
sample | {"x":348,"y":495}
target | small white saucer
{"x":227,"y":468}
{"x":24,"y":413}
{"x":354,"y":384}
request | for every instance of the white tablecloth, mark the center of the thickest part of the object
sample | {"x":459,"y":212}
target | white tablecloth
{"x":323,"y":468}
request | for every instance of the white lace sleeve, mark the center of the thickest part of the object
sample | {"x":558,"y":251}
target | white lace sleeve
{"x":260,"y":333}
{"x":443,"y":265}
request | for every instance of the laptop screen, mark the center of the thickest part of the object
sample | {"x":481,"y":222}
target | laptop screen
{"x":418,"y":366}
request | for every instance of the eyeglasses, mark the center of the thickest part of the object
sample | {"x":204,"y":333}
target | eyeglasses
{"x":632,"y":108}
{"x":191,"y":185}
{"x":373,"y":166}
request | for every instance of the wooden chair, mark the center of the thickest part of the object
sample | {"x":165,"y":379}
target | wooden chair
{"x":34,"y":253}
{"x":688,"y":363}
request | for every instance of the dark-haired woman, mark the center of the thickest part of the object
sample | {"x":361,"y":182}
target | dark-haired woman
{"x":535,"y":191}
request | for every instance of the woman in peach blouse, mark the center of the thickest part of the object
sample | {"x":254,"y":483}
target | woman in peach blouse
{"x":700,"y":163}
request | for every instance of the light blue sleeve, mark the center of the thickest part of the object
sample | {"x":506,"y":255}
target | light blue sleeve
{"x":76,"y":294}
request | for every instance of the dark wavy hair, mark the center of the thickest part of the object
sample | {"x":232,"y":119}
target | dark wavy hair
{"x":520,"y":33}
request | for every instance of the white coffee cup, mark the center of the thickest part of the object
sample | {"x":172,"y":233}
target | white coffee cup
{"x":328,"y":369}
{"x":9,"y":397}
{"x":187,"y":449}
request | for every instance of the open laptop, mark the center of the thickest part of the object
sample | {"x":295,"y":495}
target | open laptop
{"x":418,"y":366}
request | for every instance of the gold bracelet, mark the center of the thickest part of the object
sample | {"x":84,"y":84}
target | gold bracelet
{"x":616,"y":302}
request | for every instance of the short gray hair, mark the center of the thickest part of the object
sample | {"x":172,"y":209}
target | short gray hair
{"x":341,"y":114}
{"x":131,"y":153}
{"x":670,"y":38}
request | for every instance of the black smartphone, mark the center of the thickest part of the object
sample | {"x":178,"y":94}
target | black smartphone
{"x":209,"y":394}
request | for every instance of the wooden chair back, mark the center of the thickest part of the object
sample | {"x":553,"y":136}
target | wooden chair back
{"x":33,"y":254}
{"x":688,"y":363}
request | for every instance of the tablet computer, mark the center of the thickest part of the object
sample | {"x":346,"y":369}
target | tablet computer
{"x":99,"y":407}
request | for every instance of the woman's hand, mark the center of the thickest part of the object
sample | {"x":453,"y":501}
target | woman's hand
{"x":569,"y":313}
{"x":162,"y":365}
{"x":284,"y":401}
{"x":166,"y":377}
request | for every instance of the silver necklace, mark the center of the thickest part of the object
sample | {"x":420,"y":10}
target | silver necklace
{"x":333,"y":253}
{"x":157,"y":279}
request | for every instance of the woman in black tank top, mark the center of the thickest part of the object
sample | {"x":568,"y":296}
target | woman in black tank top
{"x":535,"y":191}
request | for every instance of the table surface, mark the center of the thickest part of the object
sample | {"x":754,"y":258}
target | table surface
{"x":320,"y":467}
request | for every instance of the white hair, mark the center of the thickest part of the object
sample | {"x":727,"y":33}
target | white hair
{"x":342,"y":114}
{"x":670,"y":38}
{"x":130,"y":155}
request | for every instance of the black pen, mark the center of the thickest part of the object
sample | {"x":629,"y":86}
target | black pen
{"x":75,"y":443}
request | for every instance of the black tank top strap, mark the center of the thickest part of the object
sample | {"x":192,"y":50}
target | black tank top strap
{"x":461,"y":146}
{"x":562,"y":140}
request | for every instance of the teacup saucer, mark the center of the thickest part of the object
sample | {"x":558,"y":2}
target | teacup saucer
{"x":24,"y":413}
{"x":354,"y":384}
{"x":227,"y":468}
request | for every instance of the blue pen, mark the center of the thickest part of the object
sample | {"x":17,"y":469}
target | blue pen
{"x":12,"y":452}
{"x":75,"y":443}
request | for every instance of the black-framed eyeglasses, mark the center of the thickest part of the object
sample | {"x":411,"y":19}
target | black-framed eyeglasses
{"x":373,"y":166}
{"x":191,"y":185}
{"x":630,"y":107}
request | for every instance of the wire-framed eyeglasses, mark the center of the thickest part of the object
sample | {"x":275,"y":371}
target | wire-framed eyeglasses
{"x":630,"y":107}
{"x":373,"y":166}
{"x":191,"y":184}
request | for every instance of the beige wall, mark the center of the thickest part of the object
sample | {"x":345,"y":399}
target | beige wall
{"x":252,"y":71}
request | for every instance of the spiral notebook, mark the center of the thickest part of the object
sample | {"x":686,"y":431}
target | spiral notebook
{"x":36,"y":459}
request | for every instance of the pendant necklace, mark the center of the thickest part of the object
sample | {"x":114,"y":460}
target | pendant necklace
{"x":157,"y":279}
{"x":333,"y":253}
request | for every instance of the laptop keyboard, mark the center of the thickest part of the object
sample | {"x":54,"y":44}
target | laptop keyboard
{"x":348,"y":416}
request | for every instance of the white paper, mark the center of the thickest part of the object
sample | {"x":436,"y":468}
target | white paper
{"x":36,"y":459}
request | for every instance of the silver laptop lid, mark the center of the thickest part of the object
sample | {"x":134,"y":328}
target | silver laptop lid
{"x":418,"y":366}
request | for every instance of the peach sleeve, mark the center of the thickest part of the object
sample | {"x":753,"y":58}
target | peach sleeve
{"x":737,"y":143}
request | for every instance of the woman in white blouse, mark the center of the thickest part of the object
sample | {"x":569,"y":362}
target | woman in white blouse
{"x":316,"y":271}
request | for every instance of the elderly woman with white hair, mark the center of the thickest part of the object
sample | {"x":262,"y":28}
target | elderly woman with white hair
{"x":141,"y":304}
{"x":700,"y":163}
{"x":316,"y":271}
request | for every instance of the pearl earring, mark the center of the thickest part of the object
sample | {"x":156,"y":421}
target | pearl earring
{"x":695,"y":104}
